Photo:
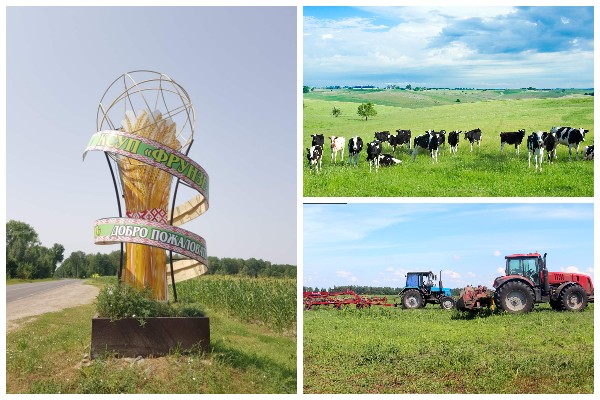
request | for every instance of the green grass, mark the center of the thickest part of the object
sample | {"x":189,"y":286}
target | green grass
{"x":484,"y":172}
{"x":45,"y":356}
{"x":15,"y":281}
{"x":390,"y":350}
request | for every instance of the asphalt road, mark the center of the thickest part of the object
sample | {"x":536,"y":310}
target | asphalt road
{"x":23,"y":290}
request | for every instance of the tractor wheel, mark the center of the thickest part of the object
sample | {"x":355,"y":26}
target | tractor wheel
{"x":515,"y":297}
{"x":447,"y":303}
{"x":573,"y":298}
{"x":412,"y":299}
{"x":555,"y":304}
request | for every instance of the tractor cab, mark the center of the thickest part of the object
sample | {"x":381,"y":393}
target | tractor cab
{"x":530,"y":266}
{"x":422,"y":280}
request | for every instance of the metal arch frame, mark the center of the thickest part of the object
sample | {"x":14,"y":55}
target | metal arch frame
{"x":124,"y":96}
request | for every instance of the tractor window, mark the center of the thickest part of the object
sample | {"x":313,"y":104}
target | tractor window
{"x":530,"y":269}
{"x":514,"y":267}
{"x":412,"y":280}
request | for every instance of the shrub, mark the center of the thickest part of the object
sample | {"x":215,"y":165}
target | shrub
{"x":123,"y":301}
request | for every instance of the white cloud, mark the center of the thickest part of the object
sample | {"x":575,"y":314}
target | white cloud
{"x":456,"y":257}
{"x":343,"y":274}
{"x":327,"y":36}
{"x":471,"y":275}
{"x":564,"y":20}
{"x":497,"y":253}
{"x":501,"y":270}
{"x":451,"y":274}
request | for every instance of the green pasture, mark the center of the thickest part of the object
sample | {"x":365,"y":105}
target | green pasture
{"x":50,"y":354}
{"x":484,"y":172}
{"x":391,"y":350}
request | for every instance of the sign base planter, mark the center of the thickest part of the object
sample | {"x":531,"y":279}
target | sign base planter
{"x":157,"y":337}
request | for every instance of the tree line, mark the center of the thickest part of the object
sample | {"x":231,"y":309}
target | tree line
{"x":26,"y":258}
{"x":366,"y":290}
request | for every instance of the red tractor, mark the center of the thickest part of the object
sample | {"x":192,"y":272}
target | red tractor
{"x":527,"y":281}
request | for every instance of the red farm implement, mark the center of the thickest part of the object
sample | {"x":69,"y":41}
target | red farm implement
{"x":340,"y":299}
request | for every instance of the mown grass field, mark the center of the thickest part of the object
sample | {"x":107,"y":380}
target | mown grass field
{"x":484,"y":172}
{"x":47,"y":355}
{"x":391,"y":350}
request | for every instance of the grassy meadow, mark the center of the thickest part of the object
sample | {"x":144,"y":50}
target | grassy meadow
{"x":391,"y":350}
{"x":248,"y":354}
{"x":484,"y":172}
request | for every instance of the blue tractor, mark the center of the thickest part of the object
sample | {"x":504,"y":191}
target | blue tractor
{"x":421,"y":290}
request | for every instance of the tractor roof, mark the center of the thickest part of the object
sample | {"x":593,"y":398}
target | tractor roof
{"x":528,"y":255}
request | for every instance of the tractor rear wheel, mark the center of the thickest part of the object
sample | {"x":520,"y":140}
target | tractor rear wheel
{"x":515,"y":297}
{"x":412,"y":299}
{"x":447,"y":303}
{"x":573,"y":298}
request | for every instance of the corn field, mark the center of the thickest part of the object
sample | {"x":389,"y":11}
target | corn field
{"x":268,"y":301}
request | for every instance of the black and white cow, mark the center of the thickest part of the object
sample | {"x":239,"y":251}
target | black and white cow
{"x":373,"y":152}
{"x":402,"y":137}
{"x":314,"y":155}
{"x":535,"y":146}
{"x":338,"y":143}
{"x":318,"y":140}
{"x":355,"y":145}
{"x":434,"y":145}
{"x":511,"y":138}
{"x":453,"y":138}
{"x":385,"y":160}
{"x":570,"y":137}
{"x":588,"y":153}
{"x":550,"y":144}
{"x":382,"y":136}
{"x":420,"y":144}
{"x":440,"y":135}
{"x":473,"y":136}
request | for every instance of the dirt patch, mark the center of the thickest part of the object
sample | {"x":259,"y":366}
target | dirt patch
{"x":26,"y":309}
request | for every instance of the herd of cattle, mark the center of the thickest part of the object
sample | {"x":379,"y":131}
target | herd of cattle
{"x":431,"y":141}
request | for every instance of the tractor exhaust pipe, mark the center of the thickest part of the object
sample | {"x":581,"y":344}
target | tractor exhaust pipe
{"x":545,"y":275}
{"x":441,"y":286}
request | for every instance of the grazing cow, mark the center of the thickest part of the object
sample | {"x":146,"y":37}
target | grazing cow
{"x":386,"y":160}
{"x":588,"y":153}
{"x":474,"y":136}
{"x":515,"y":138}
{"x":373,"y":152}
{"x":434,"y":145}
{"x":570,"y":137}
{"x":441,"y":137}
{"x":550,"y":144}
{"x":338,"y":143}
{"x":318,"y":140}
{"x":420,"y":144}
{"x":403,"y":137}
{"x":355,"y":145}
{"x":453,"y":138}
{"x":535,"y":146}
{"x":382,"y":136}
{"x":315,"y":157}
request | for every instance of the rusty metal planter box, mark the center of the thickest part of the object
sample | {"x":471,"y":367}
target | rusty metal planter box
{"x":157,"y":337}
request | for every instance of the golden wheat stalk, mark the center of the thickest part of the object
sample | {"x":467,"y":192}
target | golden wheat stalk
{"x":147,"y":188}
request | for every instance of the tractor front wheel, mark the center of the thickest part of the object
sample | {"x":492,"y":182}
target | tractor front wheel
{"x":573,"y":298}
{"x":515,"y":297}
{"x":447,"y":303}
{"x":412,"y":299}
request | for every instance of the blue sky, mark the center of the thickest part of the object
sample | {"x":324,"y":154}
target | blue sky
{"x":376,"y":244}
{"x":484,"y":47}
{"x":238,"y":65}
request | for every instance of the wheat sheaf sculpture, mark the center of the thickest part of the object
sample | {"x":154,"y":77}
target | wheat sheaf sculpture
{"x":145,"y":150}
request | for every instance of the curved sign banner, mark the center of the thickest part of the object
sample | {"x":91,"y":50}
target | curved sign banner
{"x":160,"y":156}
{"x":133,"y":230}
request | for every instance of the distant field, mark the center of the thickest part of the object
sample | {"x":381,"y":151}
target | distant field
{"x":486,"y":172}
{"x":391,"y":350}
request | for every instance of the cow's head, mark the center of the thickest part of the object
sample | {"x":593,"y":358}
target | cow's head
{"x":583,"y":132}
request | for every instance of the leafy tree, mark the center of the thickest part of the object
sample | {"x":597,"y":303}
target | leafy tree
{"x":367,"y":110}
{"x":19,"y":237}
{"x":408,"y":87}
{"x":305,"y":89}
{"x":336,"y":112}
